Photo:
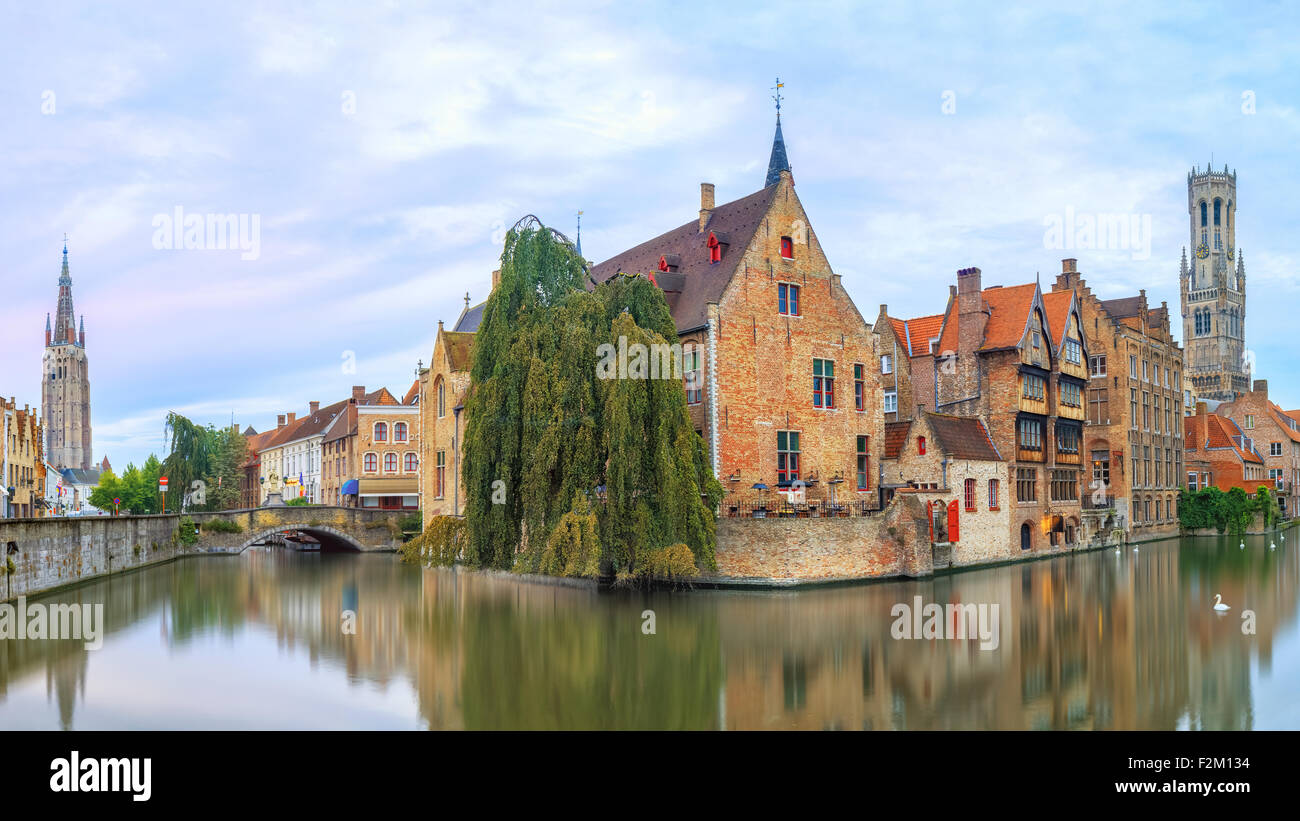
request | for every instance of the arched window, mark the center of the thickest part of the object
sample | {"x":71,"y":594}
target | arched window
{"x":371,"y":462}
{"x":1203,"y":213}
{"x":1218,"y":206}
{"x":381,"y":431}
{"x":390,"y":462}
{"x":442,"y":399}
{"x":412,"y":463}
{"x":1137,"y":510}
{"x":399,"y":432}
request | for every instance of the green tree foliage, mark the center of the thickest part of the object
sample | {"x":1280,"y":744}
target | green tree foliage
{"x":213,"y":455}
{"x":137,"y":488}
{"x":108,"y":489}
{"x":543,"y":428}
{"x":440,"y":543}
{"x":1230,"y":512}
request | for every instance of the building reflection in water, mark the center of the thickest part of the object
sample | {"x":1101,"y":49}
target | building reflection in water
{"x":1092,"y":641}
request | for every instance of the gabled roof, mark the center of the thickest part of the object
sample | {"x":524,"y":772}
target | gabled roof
{"x":1220,"y":433}
{"x":1122,"y":308}
{"x":345,"y":424}
{"x":963,"y":437}
{"x":1057,"y":305}
{"x":412,"y":393}
{"x":459,"y":348}
{"x":1008,"y":309}
{"x":701,"y":282}
{"x":470,"y":318}
{"x":895,"y":438}
{"x":915,"y":334}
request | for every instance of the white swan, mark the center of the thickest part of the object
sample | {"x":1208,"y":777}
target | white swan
{"x":1272,"y":546}
{"x":1243,"y":545}
{"x":1218,"y":603}
{"x":1135,"y":549}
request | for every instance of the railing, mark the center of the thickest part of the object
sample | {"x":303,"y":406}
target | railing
{"x":782,"y":509}
{"x":1100,"y":503}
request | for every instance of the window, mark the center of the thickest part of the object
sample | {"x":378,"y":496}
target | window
{"x":1275,"y":449}
{"x":1031,"y":434}
{"x":1146,"y":410}
{"x":891,"y":401}
{"x":390,"y":462}
{"x":442,"y":400}
{"x":1032,"y":386}
{"x":1250,"y":421}
{"x":1036,"y":340}
{"x":862,"y":463}
{"x":859,"y":389}
{"x":993,"y":494}
{"x":1098,"y":407}
{"x":1133,"y":367}
{"x":399,"y":432}
{"x":787,"y":299}
{"x":440,"y":473}
{"x":381,"y":431}
{"x":887,"y":364}
{"x":1067,"y":439}
{"x":787,"y":456}
{"x":1073,"y":352}
{"x":920,"y":445}
{"x":1065,"y":485}
{"x":823,"y":383}
{"x":1071,"y":395}
{"x":1097,"y":365}
{"x":693,"y":380}
{"x":1133,"y":407}
{"x":1026,"y":485}
{"x":371,"y":462}
{"x":970,"y":495}
{"x":1191,"y":480}
{"x":787,"y":247}
{"x":1145,"y":372}
{"x":412,"y":463}
{"x":1137,"y":510}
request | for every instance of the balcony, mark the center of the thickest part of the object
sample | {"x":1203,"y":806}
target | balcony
{"x":1106,"y":502}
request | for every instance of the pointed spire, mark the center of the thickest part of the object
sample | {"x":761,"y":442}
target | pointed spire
{"x":779,"y":162}
{"x":47,"y":322}
{"x":579,"y":243}
{"x":65,"y":278}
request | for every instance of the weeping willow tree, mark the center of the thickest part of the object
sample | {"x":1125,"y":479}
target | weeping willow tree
{"x":544,"y":430}
{"x":197,"y":453}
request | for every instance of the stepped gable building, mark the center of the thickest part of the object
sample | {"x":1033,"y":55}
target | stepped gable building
{"x":906,"y":363}
{"x":779,"y":364}
{"x":1133,"y":434}
{"x":1213,"y":291}
{"x":1275,"y":435}
{"x":1017,"y":358}
{"x":65,"y":383}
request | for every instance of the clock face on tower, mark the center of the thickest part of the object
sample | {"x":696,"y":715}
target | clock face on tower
{"x":1202,"y":251}
{"x":1230,"y":254}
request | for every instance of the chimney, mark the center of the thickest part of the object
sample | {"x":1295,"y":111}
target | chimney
{"x":496,"y":278}
{"x":1261,"y":386}
{"x":315,"y":406}
{"x":884,"y":309}
{"x":279,"y":421}
{"x":358,"y":392}
{"x":1070,"y":265}
{"x":292,"y":418}
{"x":1201,"y":408}
{"x":706,"y":204}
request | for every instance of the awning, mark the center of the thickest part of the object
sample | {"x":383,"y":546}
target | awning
{"x":350,"y":487}
{"x":394,"y":486}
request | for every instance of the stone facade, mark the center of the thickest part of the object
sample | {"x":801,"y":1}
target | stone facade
{"x":65,"y":384}
{"x":388,"y":447}
{"x":23,"y":462}
{"x":1213,"y":293}
{"x":1276,"y":438}
{"x":1221,"y":454}
{"x":443,"y":386}
{"x":1133,"y":436}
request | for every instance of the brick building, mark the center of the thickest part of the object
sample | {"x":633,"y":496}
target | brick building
{"x":1134,"y":428}
{"x":23,"y":462}
{"x":340,"y":459}
{"x":1275,"y":435}
{"x":1215,"y":444}
{"x":1017,"y":358}
{"x":782,"y":373}
{"x":906,"y":362}
{"x":65,"y":383}
{"x":442,"y":389}
{"x":387,"y":446}
{"x":953,"y":465}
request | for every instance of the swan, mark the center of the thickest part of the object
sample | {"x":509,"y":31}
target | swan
{"x":1272,"y":546}
{"x":1218,"y":603}
{"x":1243,"y":545}
{"x":1135,"y":549}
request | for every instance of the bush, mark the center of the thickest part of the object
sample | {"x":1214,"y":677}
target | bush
{"x":573,"y":548}
{"x":411,"y":522}
{"x":222,"y":526}
{"x":186,"y":533}
{"x":298,"y":501}
{"x":439,"y":544}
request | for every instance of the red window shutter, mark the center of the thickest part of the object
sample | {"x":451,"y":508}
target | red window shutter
{"x":953,"y":534}
{"x":929,"y":515}
{"x":920,"y":445}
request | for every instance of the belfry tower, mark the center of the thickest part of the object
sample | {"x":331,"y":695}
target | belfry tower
{"x":1213,"y":289}
{"x":65,"y":386}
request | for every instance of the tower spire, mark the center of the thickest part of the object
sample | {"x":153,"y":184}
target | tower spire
{"x":579,"y":234}
{"x":779,"y":162}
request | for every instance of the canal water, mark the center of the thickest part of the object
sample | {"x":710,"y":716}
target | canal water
{"x":1091,"y":641}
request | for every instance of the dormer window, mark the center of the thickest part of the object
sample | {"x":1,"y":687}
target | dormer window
{"x":717,"y":244}
{"x":669,"y":263}
{"x":787,"y":248}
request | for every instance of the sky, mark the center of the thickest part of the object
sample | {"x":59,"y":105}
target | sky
{"x":383,"y":150}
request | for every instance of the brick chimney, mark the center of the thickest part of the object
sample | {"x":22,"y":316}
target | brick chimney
{"x":1069,"y":276}
{"x":359,"y":391}
{"x":706,"y":204}
{"x":1261,"y":387}
{"x":971,"y":317}
{"x":496,"y":278}
{"x":315,"y":406}
{"x":292,"y":418}
{"x":279,"y":421}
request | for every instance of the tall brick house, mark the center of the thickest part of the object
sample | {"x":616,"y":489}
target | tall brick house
{"x":1134,"y":425}
{"x":1276,"y":438}
{"x":1017,"y":358}
{"x":783,"y":378}
{"x":443,"y":386}
{"x":906,"y":360}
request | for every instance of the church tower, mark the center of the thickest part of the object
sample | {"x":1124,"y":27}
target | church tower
{"x":65,"y":386}
{"x":1213,"y":289}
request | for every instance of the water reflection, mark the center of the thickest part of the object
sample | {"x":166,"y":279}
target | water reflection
{"x":1094,"y":641}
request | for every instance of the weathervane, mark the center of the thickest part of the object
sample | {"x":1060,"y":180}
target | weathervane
{"x":777,"y":96}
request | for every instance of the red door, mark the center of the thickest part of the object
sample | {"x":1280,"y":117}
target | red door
{"x":952,"y":521}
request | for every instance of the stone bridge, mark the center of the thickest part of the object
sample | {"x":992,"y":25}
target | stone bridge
{"x":49,"y":553}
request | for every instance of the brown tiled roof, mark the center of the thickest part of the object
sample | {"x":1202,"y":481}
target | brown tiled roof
{"x":1008,"y":315}
{"x":1220,"y":431}
{"x":460,"y":349}
{"x":413,"y":392}
{"x":700,"y":281}
{"x":1121,"y":308}
{"x":895,"y":438}
{"x":1057,"y":305}
{"x":963,"y":437}
{"x":915,"y":334}
{"x":1284,"y":421}
{"x":1294,"y":414}
{"x":345,"y":424}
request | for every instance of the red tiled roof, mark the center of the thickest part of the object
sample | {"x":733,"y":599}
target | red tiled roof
{"x":895,"y":438}
{"x":697,"y":280}
{"x":963,"y":437}
{"x":915,"y":334}
{"x":413,"y":392}
{"x":1008,"y":315}
{"x":1057,"y":305}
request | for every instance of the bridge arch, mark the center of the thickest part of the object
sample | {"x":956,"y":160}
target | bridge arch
{"x":332,"y":540}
